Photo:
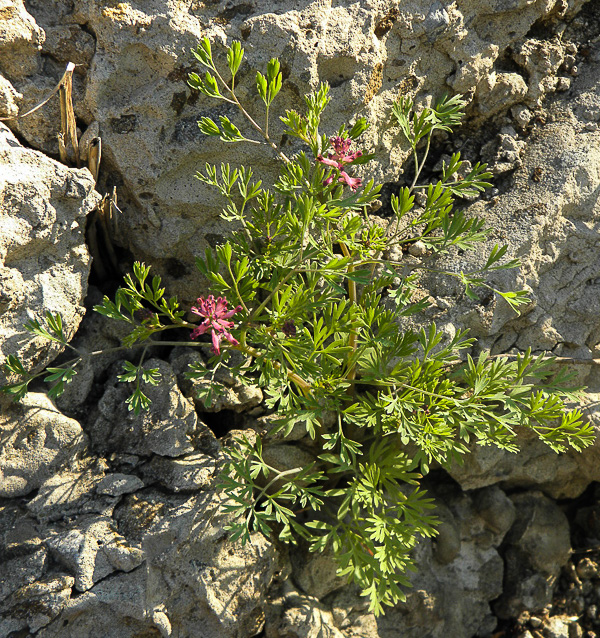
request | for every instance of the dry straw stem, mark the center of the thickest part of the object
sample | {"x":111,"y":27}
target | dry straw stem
{"x":68,"y":71}
{"x":105,"y":219}
{"x":67,"y":139}
{"x":68,"y":147}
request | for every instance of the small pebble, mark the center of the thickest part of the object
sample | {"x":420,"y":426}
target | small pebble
{"x":575,"y":631}
{"x":564,"y":84}
{"x":587,"y":568}
{"x":591,"y":126}
{"x":521,"y":114}
{"x":418,"y":249}
{"x":535,"y":622}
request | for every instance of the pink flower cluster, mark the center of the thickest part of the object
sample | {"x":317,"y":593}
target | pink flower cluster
{"x":216,"y":316}
{"x":338,"y":159}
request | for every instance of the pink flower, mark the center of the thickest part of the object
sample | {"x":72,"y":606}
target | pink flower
{"x":216,"y":317}
{"x":338,"y":159}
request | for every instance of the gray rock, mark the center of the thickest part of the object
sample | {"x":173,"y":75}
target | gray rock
{"x":92,"y":550}
{"x":557,"y":627}
{"x":541,"y":60}
{"x":167,"y":428}
{"x":235,"y":396}
{"x":71,"y":493}
{"x":119,"y":484}
{"x":44,"y":262}
{"x":19,"y":534}
{"x":537,"y":546}
{"x":186,"y":473}
{"x":536,"y":465}
{"x":316,"y":574}
{"x":220,"y":585}
{"x":295,"y":615}
{"x":34,"y":606}
{"x":36,"y":441}
{"x":20,"y":40}
{"x":21,"y":571}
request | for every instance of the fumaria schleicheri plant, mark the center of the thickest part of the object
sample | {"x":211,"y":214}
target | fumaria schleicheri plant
{"x":305,"y":291}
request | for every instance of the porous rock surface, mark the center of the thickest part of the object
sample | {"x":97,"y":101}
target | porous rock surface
{"x":44,"y":261}
{"x":111,"y":520}
{"x":135,"y":58}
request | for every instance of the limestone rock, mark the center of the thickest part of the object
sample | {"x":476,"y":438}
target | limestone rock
{"x":34,"y":606}
{"x":191,"y":472}
{"x":44,"y":262}
{"x":8,"y":98}
{"x":220,"y":585}
{"x":316,"y":574}
{"x":36,"y":441}
{"x":92,"y":550}
{"x":298,"y":616}
{"x":234,"y":395}
{"x":537,"y":546}
{"x":135,"y":87}
{"x":71,"y":493}
{"x":119,"y":484}
{"x":20,"y":40}
{"x":20,"y":571}
{"x":167,"y":428}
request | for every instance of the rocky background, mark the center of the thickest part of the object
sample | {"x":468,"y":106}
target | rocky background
{"x":109,"y":523}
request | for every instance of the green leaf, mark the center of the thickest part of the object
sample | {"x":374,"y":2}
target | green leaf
{"x":137,"y":402}
{"x":261,"y":86}
{"x":235,"y":54}
{"x":208,"y":127}
{"x":16,"y":390}
{"x":14,"y":364}
{"x":231,"y":133}
{"x":358,"y":128}
{"x":203,"y":53}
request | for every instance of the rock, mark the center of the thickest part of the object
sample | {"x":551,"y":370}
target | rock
{"x":34,"y":606}
{"x":20,"y":40}
{"x":316,"y":574}
{"x":92,"y":550}
{"x":296,"y":616}
{"x":119,"y":484}
{"x":587,"y":568}
{"x":36,"y":441}
{"x":120,"y":598}
{"x":68,"y":494}
{"x":191,"y":472}
{"x":284,"y":457}
{"x":537,"y":546}
{"x":536,"y":465}
{"x":19,"y":535}
{"x":21,"y":571}
{"x":522,"y":115}
{"x":8,"y":98}
{"x":136,"y":88}
{"x":418,"y":249}
{"x":44,"y":262}
{"x":557,"y":627}
{"x":167,"y":428}
{"x":541,"y":60}
{"x":500,"y":91}
{"x":221,"y":585}
{"x":233,"y":395}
